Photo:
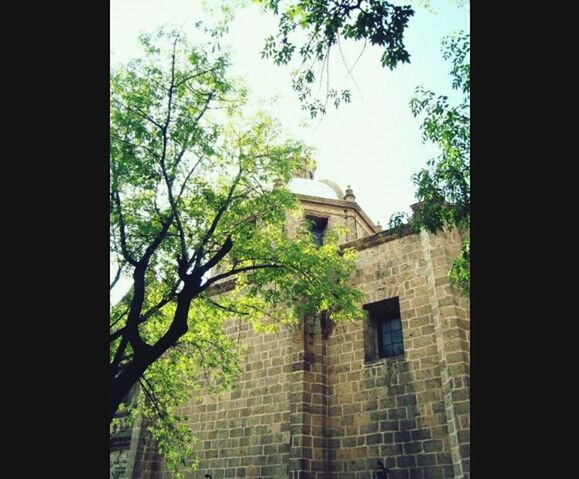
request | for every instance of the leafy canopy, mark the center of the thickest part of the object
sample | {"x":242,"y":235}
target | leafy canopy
{"x":325,"y":23}
{"x":443,"y":188}
{"x":197,"y":202}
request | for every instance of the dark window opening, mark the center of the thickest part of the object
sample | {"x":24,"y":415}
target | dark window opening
{"x":390,"y":338}
{"x":384,"y":330}
{"x":317,"y":228}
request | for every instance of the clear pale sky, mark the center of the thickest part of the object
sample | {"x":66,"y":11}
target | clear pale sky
{"x":373,"y":144}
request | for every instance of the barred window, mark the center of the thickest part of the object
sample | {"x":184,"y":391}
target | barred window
{"x":384,"y":336}
{"x":390,"y":337}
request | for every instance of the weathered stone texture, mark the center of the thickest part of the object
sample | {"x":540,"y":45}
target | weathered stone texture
{"x":404,"y":410}
{"x":312,"y":406}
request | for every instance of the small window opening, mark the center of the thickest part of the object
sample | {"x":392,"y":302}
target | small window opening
{"x":317,"y":229}
{"x":383,"y":336}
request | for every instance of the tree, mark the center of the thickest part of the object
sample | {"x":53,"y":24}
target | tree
{"x":443,"y":188}
{"x":197,"y":198}
{"x":325,"y":23}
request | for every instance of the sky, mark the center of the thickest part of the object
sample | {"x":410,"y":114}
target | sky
{"x":374,"y":143}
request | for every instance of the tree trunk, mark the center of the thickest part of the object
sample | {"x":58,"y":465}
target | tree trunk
{"x":142,"y":359}
{"x":122,"y":384}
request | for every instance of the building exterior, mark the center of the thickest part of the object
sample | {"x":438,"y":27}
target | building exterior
{"x":329,"y":402}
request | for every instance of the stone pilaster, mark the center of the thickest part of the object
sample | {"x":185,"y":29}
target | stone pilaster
{"x":308,"y":404}
{"x":450,"y":313}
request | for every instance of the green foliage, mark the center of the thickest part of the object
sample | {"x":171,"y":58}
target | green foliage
{"x":325,"y":23}
{"x":460,"y":270}
{"x":197,"y":198}
{"x":443,"y":189}
{"x":399,"y":222}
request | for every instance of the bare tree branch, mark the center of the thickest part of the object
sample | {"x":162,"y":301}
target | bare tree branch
{"x":146,"y":148}
{"x":349,"y":70}
{"x":117,"y":319}
{"x":117,"y":276}
{"x":170,"y":296}
{"x":149,"y":393}
{"x":139,"y":113}
{"x":241,"y":270}
{"x":195,"y":75}
{"x":118,"y":356}
{"x":124,"y":249}
{"x":227,"y":308}
{"x":199,"y":253}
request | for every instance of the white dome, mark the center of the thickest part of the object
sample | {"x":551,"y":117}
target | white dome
{"x":303,"y":186}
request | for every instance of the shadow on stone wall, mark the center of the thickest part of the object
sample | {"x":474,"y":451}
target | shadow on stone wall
{"x":412,"y":425}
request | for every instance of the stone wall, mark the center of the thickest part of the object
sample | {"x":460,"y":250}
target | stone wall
{"x":246,"y":433}
{"x":314,"y":404}
{"x":410,"y":411}
{"x":133,"y":453}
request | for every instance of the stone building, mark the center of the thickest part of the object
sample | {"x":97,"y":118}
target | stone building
{"x":330,"y":403}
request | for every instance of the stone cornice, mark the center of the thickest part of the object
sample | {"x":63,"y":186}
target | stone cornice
{"x":341,"y":204}
{"x":377,"y":239}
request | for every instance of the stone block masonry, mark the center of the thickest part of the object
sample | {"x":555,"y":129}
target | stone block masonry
{"x":312,"y":406}
{"x":318,"y":403}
